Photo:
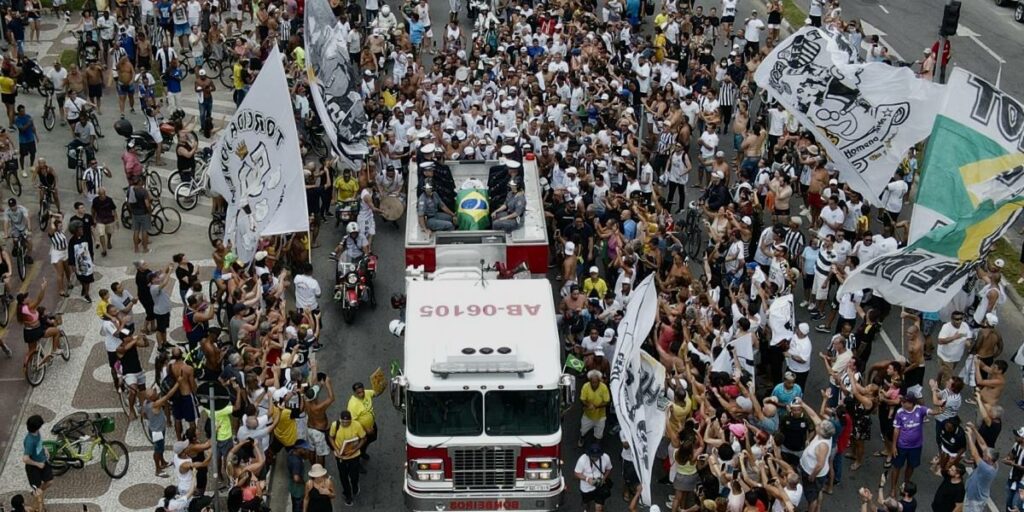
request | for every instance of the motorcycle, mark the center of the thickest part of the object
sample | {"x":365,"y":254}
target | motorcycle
{"x":354,"y":285}
{"x":345,"y":212}
{"x":33,"y":77}
{"x":144,"y":141}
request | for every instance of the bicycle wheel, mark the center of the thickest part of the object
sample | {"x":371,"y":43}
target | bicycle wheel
{"x":14,"y":183}
{"x":186,"y":198}
{"x":114,"y":459}
{"x":20,"y":262}
{"x":213,"y":68}
{"x":80,"y":178}
{"x":44,"y":214}
{"x":126,"y":216}
{"x":122,"y":397}
{"x":49,"y":118}
{"x":5,"y":314}
{"x":156,"y":225}
{"x":36,"y":369}
{"x":58,"y":457}
{"x":173,"y":181}
{"x":227,"y":77}
{"x":153,"y":184}
{"x":64,"y":346}
{"x":693,"y":243}
{"x":142,"y":419}
{"x":96,"y":126}
{"x":171,"y":220}
{"x":216,"y":230}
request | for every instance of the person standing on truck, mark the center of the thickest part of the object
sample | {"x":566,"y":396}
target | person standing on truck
{"x":434,"y":214}
{"x":595,"y":398}
{"x":360,"y":405}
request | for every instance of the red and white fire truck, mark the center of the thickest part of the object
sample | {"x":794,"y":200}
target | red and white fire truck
{"x":482,"y":388}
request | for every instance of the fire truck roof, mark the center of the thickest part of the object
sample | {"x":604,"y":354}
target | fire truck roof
{"x":474,"y":333}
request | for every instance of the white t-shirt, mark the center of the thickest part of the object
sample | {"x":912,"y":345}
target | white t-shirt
{"x":776,"y":122}
{"x":728,"y":8}
{"x":690,"y":111}
{"x":865,"y":252}
{"x":591,"y":469}
{"x":710,"y":144}
{"x":885,"y":245}
{"x":307,"y":289}
{"x":830,"y":216}
{"x":108,"y":330}
{"x":848,"y":304}
{"x":753,"y":30}
{"x":57,"y":77}
{"x":893,"y":195}
{"x":953,"y":351}
{"x":800,"y":347}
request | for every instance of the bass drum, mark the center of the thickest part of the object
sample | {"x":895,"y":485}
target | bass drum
{"x":391,"y":208}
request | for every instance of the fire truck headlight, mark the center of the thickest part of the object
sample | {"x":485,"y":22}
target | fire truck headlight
{"x":541,"y":469}
{"x":428,"y":470}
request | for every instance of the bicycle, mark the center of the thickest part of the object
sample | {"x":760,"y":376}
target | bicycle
{"x":202,"y":163}
{"x":168,"y":217}
{"x":10,"y":177}
{"x":216,"y":229}
{"x":78,"y":435}
{"x":5,"y":303}
{"x":19,"y":251}
{"x":49,"y":112}
{"x":187,"y":193}
{"x":43,"y":356}
{"x":692,"y":230}
{"x":152,"y":181}
{"x":45,"y":206}
{"x":156,"y":225}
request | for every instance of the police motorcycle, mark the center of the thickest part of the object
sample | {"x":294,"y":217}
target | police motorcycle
{"x":353,"y":281}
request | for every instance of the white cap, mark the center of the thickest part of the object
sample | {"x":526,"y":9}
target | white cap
{"x":803,"y":328}
{"x":570,"y":248}
{"x":279,"y":394}
{"x":260,"y":255}
{"x":992,"y":319}
{"x":720,"y":154}
{"x":746,"y":220}
{"x":571,"y":170}
{"x":202,"y":72}
{"x":507,"y":150}
{"x":833,"y":181}
{"x":718,"y":174}
{"x":512,"y":164}
{"x":595,"y":270}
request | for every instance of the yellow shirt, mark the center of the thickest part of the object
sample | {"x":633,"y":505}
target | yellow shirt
{"x":389,"y":98}
{"x":299,"y":56}
{"x":236,"y":76}
{"x":352,"y":433}
{"x":346,"y":190}
{"x":362,"y":410}
{"x":597,"y":398}
{"x":595,"y":284}
{"x":286,"y":431}
{"x":101,"y":308}
{"x":7,"y":85}
{"x":661,"y":19}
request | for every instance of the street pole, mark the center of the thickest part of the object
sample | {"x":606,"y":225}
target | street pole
{"x":942,"y":58}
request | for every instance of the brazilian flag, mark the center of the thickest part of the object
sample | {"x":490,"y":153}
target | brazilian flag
{"x":474,"y":211}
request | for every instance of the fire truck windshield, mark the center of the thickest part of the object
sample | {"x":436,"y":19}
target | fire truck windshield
{"x":445,"y":413}
{"x":522,"y":413}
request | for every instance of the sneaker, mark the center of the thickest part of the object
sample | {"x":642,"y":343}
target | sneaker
{"x":817,"y":316}
{"x":812,"y":307}
{"x":87,"y":298}
{"x":7,"y":351}
{"x":349,"y":502}
{"x":822,"y":328}
{"x":804,"y":304}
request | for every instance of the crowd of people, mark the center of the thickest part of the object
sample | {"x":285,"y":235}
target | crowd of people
{"x":637,"y":113}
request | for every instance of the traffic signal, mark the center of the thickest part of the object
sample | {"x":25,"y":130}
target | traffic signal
{"x":950,"y":19}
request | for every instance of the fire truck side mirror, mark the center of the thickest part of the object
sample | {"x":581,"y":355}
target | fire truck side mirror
{"x":398,"y":385}
{"x":567,"y":390}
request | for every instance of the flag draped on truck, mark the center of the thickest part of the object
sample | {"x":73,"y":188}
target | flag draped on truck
{"x":256,"y":165}
{"x":638,"y":383}
{"x":865,"y":115}
{"x":970,"y":193}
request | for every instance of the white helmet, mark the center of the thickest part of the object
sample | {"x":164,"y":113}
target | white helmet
{"x":397,"y":327}
{"x":352,"y":227}
{"x":385,"y":10}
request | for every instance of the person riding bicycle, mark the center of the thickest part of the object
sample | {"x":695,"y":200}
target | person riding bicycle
{"x":16,"y":224}
{"x":186,"y":151}
{"x":353,"y":246}
{"x":47,"y":182}
{"x":85,"y":138}
{"x":36,"y":324}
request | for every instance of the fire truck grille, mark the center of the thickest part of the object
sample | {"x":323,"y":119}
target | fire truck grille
{"x":483,"y":468}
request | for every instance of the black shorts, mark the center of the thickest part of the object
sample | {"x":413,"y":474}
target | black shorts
{"x":35,"y":334}
{"x":27,"y":148}
{"x":85,"y":279}
{"x":150,"y":315}
{"x":595,"y":496}
{"x":112,"y":358}
{"x":728,"y":19}
{"x":9,"y":99}
{"x":95,"y":91}
{"x":163,"y":322}
{"x":39,"y":476}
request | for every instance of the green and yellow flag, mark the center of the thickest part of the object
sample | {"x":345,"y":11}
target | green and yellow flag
{"x":474,"y":211}
{"x":971,"y":191}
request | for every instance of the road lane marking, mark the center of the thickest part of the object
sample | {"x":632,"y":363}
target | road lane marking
{"x":882,"y":7}
{"x":964,"y":31}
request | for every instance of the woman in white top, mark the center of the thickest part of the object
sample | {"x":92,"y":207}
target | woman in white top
{"x":59,"y":252}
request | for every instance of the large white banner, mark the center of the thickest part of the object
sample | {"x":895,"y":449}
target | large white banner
{"x":865,"y":115}
{"x":638,"y":383}
{"x":971,"y":191}
{"x":334,"y":81}
{"x":257,"y":167}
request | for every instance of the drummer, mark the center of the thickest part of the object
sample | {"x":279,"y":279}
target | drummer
{"x":389,"y":184}
{"x":509,"y":217}
{"x":433,"y":213}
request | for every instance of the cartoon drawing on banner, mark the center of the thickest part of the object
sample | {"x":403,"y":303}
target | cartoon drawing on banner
{"x":256,"y":175}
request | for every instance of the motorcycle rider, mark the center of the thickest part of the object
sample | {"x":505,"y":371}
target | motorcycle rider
{"x":434,"y":214}
{"x":353,"y":246}
{"x":509,"y":216}
{"x":345,"y":189}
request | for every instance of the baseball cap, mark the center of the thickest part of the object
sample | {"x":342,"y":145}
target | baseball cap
{"x":1019,"y":432}
{"x":570,"y":248}
{"x":789,"y":376}
{"x":179,"y":446}
{"x":202,"y":72}
{"x":992,"y":319}
{"x":833,"y":181}
{"x":720,"y":154}
{"x":595,"y":270}
{"x":803,"y":328}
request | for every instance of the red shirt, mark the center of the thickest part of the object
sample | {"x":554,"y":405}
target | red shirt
{"x":132,"y":165}
{"x":844,"y":436}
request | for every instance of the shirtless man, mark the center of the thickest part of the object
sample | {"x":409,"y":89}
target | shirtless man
{"x":913,"y":374}
{"x":316,"y":410}
{"x":212,"y":355}
{"x":819,"y":180}
{"x":94,"y":82}
{"x":719,"y":164}
{"x":125,"y":84}
{"x":988,"y":344}
{"x":183,"y":404}
{"x":753,"y":143}
{"x":990,"y":388}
